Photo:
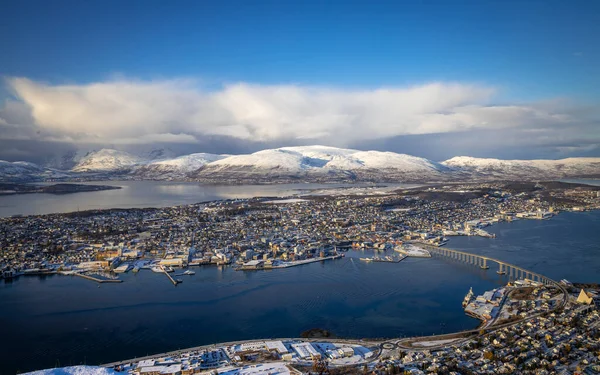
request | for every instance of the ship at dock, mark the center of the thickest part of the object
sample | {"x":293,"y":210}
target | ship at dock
{"x":468,"y":298}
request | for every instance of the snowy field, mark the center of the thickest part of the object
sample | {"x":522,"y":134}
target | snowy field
{"x":289,"y":200}
{"x":414,"y":251}
{"x":433,"y":343}
{"x":75,"y":370}
{"x":262,"y":369}
{"x":381,"y":190}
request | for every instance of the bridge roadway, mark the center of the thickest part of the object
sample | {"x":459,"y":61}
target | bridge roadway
{"x":481,"y":261}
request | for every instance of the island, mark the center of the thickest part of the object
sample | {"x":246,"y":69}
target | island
{"x":61,"y":188}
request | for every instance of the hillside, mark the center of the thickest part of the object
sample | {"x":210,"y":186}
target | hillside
{"x":299,"y":164}
{"x":525,"y":169}
{"x":321,"y":163}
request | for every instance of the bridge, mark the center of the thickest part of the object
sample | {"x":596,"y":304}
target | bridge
{"x":512,"y":271}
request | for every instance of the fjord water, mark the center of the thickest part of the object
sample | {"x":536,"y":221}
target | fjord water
{"x":141,"y":194}
{"x":566,"y":246}
{"x":68,"y":320}
{"x":62,"y":320}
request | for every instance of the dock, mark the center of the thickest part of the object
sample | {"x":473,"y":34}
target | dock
{"x":259,"y":265}
{"x":392,"y":260}
{"x":100,"y":281}
{"x":385,"y":259}
{"x":175,"y":282}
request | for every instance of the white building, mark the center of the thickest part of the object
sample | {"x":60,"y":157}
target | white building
{"x":306,"y":350}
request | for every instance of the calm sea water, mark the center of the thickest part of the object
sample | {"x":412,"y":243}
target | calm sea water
{"x":138,"y":194}
{"x":566,"y":246}
{"x":61,"y":320}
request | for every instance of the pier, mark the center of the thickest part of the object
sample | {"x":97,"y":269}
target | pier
{"x":175,"y":282}
{"x":259,"y":265}
{"x":100,"y":281}
{"x":386,"y":260}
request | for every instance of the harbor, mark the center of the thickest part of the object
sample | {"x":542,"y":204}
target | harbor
{"x":258,"y":264}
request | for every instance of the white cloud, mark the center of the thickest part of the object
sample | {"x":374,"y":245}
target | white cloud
{"x":174,"y":111}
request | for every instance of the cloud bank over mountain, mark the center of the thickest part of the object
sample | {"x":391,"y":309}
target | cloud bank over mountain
{"x":124,"y":113}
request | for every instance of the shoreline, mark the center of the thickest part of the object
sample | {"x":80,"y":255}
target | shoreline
{"x":303,"y":192}
{"x":290,"y":264}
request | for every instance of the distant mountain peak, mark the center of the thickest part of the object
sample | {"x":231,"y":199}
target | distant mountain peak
{"x":314,"y":163}
{"x":107,"y":159}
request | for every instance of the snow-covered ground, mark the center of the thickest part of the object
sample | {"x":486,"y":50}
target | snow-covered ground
{"x":275,"y":368}
{"x":289,"y":200}
{"x":75,"y":370}
{"x":321,"y":163}
{"x":366,"y":190}
{"x":187,"y":163}
{"x":525,"y":168}
{"x":433,"y":343}
{"x":323,"y":159}
{"x":413,"y":251}
{"x":107,"y":160}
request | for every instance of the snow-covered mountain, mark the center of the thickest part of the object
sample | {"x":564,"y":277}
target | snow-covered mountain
{"x":108,"y":160}
{"x":525,"y":169}
{"x":299,"y":164}
{"x":177,"y":168}
{"x":321,"y":163}
{"x":21,"y":171}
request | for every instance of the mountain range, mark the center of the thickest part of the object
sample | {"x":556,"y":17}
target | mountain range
{"x":298,"y":164}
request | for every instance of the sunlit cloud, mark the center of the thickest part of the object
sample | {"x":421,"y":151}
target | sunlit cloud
{"x":131,"y":112}
{"x":133,"y":109}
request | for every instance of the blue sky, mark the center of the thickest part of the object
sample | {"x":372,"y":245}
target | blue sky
{"x":530,"y":47}
{"x":527,"y":51}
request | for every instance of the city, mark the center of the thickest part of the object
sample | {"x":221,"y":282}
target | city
{"x":234,"y":187}
{"x":531,"y":324}
{"x":263,"y":233}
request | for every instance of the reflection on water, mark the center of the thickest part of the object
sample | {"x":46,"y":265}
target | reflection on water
{"x":594,"y":182}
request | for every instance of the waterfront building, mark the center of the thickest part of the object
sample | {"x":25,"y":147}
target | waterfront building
{"x":584,"y":298}
{"x":305,"y":350}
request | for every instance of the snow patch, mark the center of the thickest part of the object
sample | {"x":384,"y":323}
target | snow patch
{"x":75,"y":370}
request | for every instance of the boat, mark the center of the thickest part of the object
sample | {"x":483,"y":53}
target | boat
{"x":186,"y":272}
{"x":157,"y":269}
{"x":367,"y":259}
{"x":468,"y":298}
